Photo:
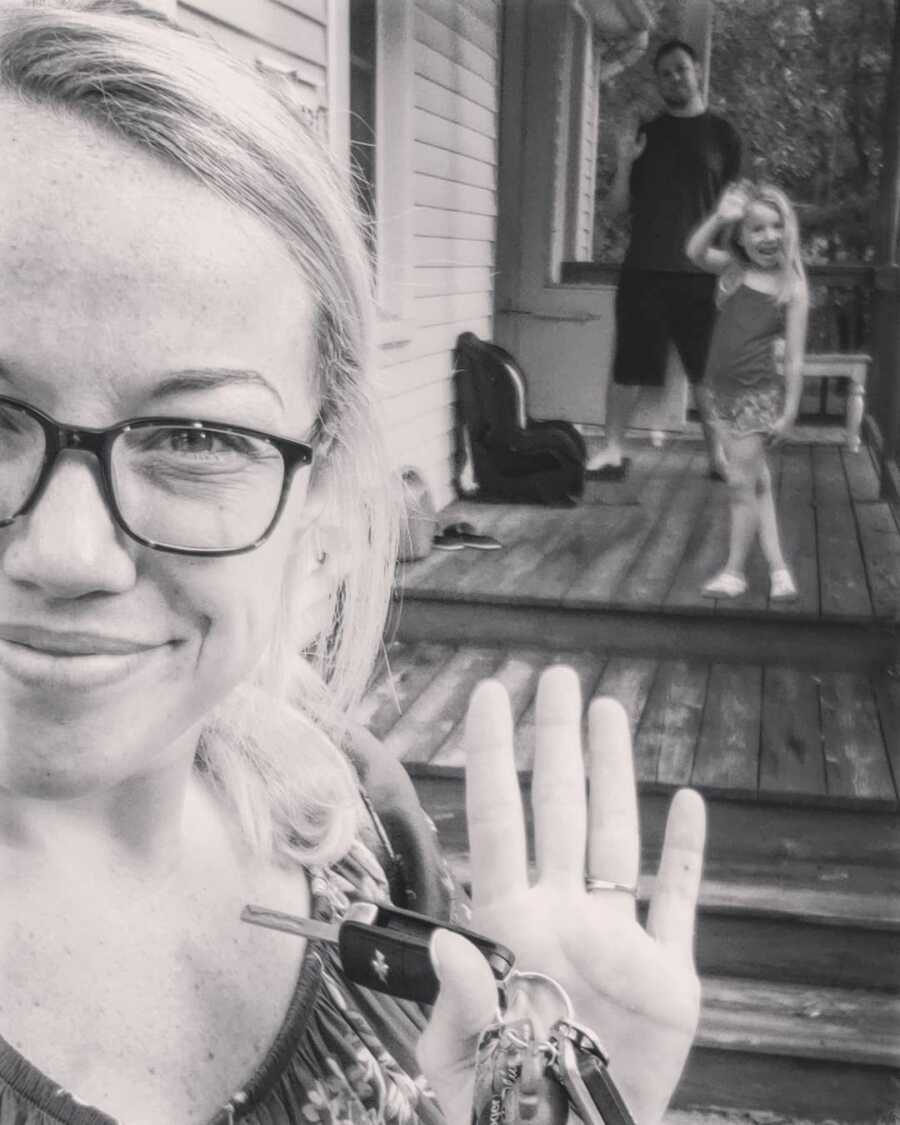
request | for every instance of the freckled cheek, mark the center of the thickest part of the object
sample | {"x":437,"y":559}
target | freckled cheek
{"x":235,"y":614}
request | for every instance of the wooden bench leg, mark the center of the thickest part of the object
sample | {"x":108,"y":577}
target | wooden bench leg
{"x":856,"y":405}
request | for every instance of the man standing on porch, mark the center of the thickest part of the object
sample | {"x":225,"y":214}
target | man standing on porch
{"x":670,"y":173}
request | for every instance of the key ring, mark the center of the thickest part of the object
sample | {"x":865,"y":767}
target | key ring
{"x":516,"y":986}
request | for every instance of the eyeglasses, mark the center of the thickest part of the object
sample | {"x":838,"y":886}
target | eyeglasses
{"x":173,"y":484}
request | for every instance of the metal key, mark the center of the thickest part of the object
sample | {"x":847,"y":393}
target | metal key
{"x":581,"y":1064}
{"x":383,"y":948}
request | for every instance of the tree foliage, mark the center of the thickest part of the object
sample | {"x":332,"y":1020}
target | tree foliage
{"x":804,"y":82}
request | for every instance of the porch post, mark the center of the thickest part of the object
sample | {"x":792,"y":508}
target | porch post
{"x":887,"y":274}
{"x":696,"y":29}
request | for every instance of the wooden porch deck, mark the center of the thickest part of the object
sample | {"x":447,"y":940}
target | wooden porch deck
{"x":648,"y":544}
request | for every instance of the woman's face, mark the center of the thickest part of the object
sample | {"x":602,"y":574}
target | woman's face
{"x":762,"y":236}
{"x":129,"y":290}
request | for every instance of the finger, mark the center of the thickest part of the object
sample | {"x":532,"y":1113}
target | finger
{"x":614,"y":850}
{"x":557,"y":787}
{"x":466,"y":1004}
{"x":674,"y":904}
{"x":493,"y":802}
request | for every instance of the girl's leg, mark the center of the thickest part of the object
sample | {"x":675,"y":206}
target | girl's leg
{"x":745,"y":455}
{"x":769,"y":538}
{"x":711,"y":432}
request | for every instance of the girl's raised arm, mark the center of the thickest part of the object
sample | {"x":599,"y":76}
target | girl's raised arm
{"x":700,"y":248}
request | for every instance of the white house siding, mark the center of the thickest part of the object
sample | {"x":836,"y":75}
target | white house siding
{"x":454,"y":167}
{"x":284,"y":34}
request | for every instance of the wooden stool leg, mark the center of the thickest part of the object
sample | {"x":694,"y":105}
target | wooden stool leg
{"x":856,"y":405}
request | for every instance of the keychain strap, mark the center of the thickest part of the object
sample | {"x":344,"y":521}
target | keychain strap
{"x":602,"y":1090}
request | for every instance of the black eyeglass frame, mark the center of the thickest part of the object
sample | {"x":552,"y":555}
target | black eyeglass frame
{"x":59,"y":437}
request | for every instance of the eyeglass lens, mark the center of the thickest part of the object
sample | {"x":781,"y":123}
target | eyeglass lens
{"x":177,"y":486}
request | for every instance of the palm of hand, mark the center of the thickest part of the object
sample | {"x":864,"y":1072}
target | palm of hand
{"x":732,"y":206}
{"x":640,"y":996}
{"x":631,"y":147}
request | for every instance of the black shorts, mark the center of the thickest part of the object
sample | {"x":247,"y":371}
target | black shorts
{"x":653,"y":308}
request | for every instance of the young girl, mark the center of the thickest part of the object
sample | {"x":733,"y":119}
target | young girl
{"x":762,"y":295}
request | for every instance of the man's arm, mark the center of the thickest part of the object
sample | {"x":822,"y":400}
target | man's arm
{"x":629,"y":145}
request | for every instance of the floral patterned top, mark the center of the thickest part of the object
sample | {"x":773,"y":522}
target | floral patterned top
{"x":343,"y":1054}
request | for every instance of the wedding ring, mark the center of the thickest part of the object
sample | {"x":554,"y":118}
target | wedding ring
{"x":591,"y":884}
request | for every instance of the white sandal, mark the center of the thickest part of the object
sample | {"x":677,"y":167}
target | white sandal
{"x":725,"y":585}
{"x":782,"y":586}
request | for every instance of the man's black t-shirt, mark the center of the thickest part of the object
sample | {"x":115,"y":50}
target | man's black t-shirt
{"x":674,"y":185}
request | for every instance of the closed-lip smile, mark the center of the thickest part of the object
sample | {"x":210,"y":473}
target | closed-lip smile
{"x":60,"y":642}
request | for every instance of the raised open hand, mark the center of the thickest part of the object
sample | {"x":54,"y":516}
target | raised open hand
{"x":630,"y":143}
{"x":636,"y":988}
{"x":732,"y":204}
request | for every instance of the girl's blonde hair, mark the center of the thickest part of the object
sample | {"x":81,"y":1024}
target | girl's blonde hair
{"x":792,"y":279}
{"x":271,"y":746}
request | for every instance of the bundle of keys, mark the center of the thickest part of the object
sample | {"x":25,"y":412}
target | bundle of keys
{"x":518,"y":1076}
{"x":521,"y":1077}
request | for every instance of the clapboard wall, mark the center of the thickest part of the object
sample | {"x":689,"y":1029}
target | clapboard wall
{"x":455,"y":94}
{"x":452,"y":161}
{"x":288,"y":33}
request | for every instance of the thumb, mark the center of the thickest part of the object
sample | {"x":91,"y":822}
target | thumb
{"x":466,"y":1004}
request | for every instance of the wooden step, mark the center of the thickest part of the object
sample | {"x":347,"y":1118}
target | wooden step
{"x":780,"y":732}
{"x":794,"y":929}
{"x":770,"y":834}
{"x":669,"y":631}
{"x":824,"y":1054}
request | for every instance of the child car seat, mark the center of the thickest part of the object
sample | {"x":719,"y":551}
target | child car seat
{"x":513,"y":457}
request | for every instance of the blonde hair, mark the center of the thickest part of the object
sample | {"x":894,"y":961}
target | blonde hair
{"x":271,"y":747}
{"x":792,"y":279}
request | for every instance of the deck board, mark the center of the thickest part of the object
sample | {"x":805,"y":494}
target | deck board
{"x":887,"y":695}
{"x":434,"y":713}
{"x":855,"y":755}
{"x":652,"y":572}
{"x":791,"y":757}
{"x":862,"y":476}
{"x":599,"y":581}
{"x":670,"y":723}
{"x":401,"y":679}
{"x":518,"y":673}
{"x":727,"y":756}
{"x":705,"y":553}
{"x":842,"y":575}
{"x":503,"y":573}
{"x":797,"y":524}
{"x":880,"y":538}
{"x":571,"y":547}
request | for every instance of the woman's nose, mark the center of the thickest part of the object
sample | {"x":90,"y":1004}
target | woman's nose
{"x":69,"y":544}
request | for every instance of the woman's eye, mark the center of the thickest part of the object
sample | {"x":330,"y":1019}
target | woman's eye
{"x":194,"y":441}
{"x":198,"y":444}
